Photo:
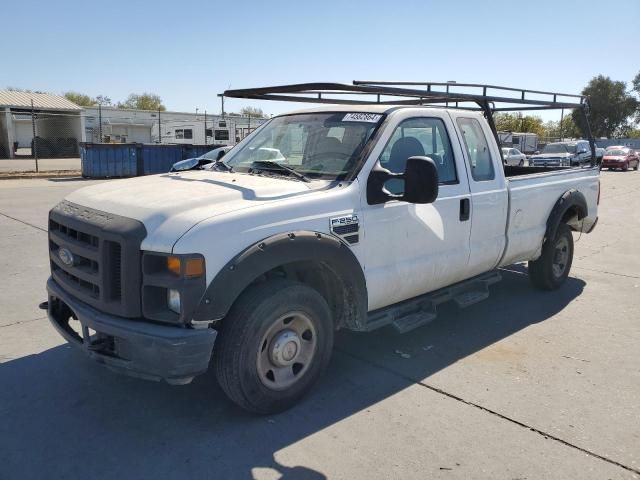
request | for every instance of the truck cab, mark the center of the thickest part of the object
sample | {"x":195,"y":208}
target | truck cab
{"x":347,"y":216}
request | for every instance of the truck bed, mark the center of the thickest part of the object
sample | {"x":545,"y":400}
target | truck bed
{"x":532,"y":196}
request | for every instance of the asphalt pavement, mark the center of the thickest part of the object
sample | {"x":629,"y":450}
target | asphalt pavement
{"x":526,"y":384}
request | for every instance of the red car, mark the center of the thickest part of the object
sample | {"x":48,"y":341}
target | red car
{"x":623,"y":158}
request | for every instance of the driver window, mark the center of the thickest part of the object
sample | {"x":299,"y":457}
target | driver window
{"x":419,"y":137}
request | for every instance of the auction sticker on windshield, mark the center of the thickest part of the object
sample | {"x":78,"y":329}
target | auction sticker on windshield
{"x":362,"y":117}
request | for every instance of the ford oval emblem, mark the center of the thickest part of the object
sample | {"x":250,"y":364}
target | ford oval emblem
{"x":65,"y":256}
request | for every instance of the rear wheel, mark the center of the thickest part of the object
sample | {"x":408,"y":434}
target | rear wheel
{"x":521,"y":164}
{"x":273,"y":346}
{"x":637,"y":165}
{"x":552,"y":268}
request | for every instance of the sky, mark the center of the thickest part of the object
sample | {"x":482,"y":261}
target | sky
{"x":187,"y":52}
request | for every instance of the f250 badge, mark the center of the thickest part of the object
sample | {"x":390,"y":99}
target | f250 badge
{"x":346,"y":227}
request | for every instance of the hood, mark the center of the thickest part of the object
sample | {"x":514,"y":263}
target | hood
{"x":553,"y":155}
{"x":169,"y":204}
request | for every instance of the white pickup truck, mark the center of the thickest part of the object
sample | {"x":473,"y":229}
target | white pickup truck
{"x":348,"y":216}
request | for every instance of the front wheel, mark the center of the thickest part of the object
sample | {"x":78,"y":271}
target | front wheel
{"x":273,"y":346}
{"x":637,"y":165}
{"x":521,"y":164}
{"x":625,"y":167}
{"x":552,"y":268}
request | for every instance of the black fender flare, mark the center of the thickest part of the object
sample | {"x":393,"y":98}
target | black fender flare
{"x":280,"y":250}
{"x":569,"y":199}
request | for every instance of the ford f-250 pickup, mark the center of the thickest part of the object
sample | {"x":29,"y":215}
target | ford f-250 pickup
{"x":359,"y":215}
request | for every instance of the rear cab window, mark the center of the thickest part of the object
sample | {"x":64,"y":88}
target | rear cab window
{"x":477,"y":149}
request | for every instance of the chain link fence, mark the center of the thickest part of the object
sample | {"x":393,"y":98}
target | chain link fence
{"x":30,"y":140}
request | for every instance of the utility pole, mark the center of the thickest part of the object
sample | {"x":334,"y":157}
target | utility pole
{"x":561,"y":122}
{"x":35,"y":135}
{"x":205,"y":127}
{"x":159,"y":127}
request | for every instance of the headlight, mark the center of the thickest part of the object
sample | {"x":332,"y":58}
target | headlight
{"x":173,"y":300}
{"x":172,"y":286}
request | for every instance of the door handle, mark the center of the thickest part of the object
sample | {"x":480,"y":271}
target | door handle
{"x":465,"y":209}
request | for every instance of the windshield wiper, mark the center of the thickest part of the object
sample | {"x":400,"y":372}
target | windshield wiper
{"x":271,"y":165}
{"x":217,"y":163}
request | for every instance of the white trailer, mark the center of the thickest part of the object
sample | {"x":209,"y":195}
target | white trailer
{"x":213,"y":131}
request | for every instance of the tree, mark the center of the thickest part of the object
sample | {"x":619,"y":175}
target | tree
{"x":103,"y":100}
{"x":512,"y":122}
{"x":80,"y":99}
{"x":611,"y":107}
{"x":24,"y":90}
{"x":143,"y":101}
{"x":252,"y":112}
{"x":634,"y":133}
{"x":568,"y":129}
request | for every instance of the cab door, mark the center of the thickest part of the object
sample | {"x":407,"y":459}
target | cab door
{"x":489,"y":196}
{"x":410,"y":249}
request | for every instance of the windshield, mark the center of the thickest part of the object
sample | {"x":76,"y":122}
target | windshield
{"x":505,"y":151}
{"x":559,"y":148}
{"x":317,"y":145}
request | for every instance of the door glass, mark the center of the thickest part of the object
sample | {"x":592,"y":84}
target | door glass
{"x":419,"y":137}
{"x":477,"y":149}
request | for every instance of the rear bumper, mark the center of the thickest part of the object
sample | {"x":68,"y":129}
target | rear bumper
{"x":134,"y":347}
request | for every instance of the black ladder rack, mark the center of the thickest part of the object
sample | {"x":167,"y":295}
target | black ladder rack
{"x":486,"y":98}
{"x":430,"y":93}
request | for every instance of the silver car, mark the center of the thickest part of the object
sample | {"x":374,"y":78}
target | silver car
{"x":513,"y":156}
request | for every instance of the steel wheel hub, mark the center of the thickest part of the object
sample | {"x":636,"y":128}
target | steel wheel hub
{"x":286,"y":351}
{"x":285,"y":348}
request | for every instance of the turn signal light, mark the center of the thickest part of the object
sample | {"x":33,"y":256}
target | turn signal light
{"x":188,"y":267}
{"x":173,"y":265}
{"x":194,"y":267}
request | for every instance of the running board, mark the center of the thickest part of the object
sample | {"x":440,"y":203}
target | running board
{"x":419,"y":311}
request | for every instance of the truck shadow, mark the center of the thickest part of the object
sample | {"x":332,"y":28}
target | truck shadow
{"x":63,"y":416}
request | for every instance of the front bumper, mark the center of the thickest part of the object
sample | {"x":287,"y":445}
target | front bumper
{"x":613,"y":163}
{"x":134,"y":347}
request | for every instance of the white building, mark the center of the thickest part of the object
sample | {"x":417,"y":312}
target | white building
{"x":57,"y":122}
{"x":146,"y":126}
{"x":61,"y":126}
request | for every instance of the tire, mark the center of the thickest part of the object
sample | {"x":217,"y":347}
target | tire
{"x":551,"y":270}
{"x":257,"y":332}
{"x":521,"y":164}
{"x":625,"y":167}
{"x":637,"y":165}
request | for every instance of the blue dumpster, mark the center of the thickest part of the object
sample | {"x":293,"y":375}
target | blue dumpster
{"x":193,"y":151}
{"x":103,"y":160}
{"x":159,"y":158}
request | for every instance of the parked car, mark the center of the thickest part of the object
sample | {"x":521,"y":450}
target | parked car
{"x":375,"y":215}
{"x":198,"y":163}
{"x":561,"y":154}
{"x":600,"y":154}
{"x":623,"y":158}
{"x":513,"y":156}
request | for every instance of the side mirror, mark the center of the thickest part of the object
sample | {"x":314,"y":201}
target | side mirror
{"x":420,"y":182}
{"x":537,"y":152}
